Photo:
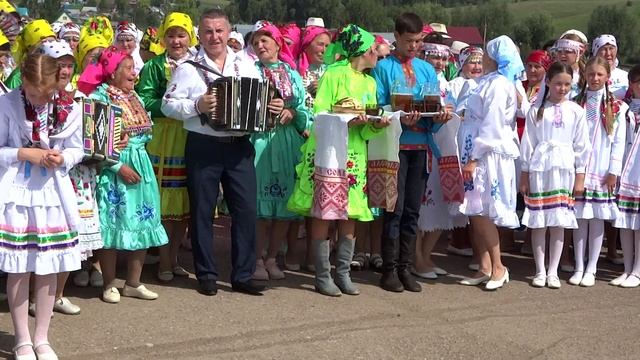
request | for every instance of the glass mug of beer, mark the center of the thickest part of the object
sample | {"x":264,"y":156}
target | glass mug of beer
{"x":401,"y":98}
{"x":431,"y":97}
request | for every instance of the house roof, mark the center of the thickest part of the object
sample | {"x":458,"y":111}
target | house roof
{"x":469,"y":34}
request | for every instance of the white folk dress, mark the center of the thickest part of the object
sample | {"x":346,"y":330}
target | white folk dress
{"x":629,"y":191}
{"x":436,"y":213}
{"x":486,"y":135}
{"x":607,"y":152}
{"x":38,"y":211}
{"x":552,"y":151}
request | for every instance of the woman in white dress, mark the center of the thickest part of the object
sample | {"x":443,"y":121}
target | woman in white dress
{"x":554,"y":152}
{"x":488,"y":152}
{"x":38,"y":214}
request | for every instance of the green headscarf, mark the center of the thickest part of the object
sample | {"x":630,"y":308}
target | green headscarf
{"x":351,"y":42}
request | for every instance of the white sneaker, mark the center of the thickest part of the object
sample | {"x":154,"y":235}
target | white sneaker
{"x":553,"y":282}
{"x":631,"y":282}
{"x":81,"y":278}
{"x":96,"y":279}
{"x":576,"y":278}
{"x":64,"y":306}
{"x":588,"y":280}
{"x":539,"y":280}
{"x":619,"y":280}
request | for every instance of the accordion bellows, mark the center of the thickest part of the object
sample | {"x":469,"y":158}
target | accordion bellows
{"x":101,"y":131}
{"x":241,"y":105}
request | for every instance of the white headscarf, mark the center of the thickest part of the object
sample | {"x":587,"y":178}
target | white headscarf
{"x":125,"y":28}
{"x":601,"y":41}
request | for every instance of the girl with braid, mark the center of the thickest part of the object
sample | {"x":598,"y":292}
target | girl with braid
{"x":607,"y":130}
{"x":554,"y":152}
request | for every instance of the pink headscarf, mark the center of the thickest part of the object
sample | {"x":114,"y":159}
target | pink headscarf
{"x":310,"y":33}
{"x":292,"y":32}
{"x":285,"y":54}
{"x":99,"y":72}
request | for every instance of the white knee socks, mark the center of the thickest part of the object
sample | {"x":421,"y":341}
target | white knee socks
{"x":556,"y":242}
{"x":628,"y":251}
{"x":592,"y":229}
{"x":538,"y":247}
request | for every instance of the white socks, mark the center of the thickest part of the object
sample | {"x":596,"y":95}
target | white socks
{"x":592,"y":229}
{"x":556,"y":241}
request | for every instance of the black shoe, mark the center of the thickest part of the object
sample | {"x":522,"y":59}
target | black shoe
{"x":390,"y":282}
{"x":408,"y":282}
{"x":249,"y":287}
{"x":208,"y":287}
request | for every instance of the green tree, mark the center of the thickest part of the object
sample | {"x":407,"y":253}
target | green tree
{"x":533,"y":31}
{"x":619,"y":22}
{"x":429,"y":12}
{"x":370,"y":14}
{"x":493,"y":15}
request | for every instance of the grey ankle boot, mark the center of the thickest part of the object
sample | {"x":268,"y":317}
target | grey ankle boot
{"x":343,"y":266}
{"x":324,"y":282}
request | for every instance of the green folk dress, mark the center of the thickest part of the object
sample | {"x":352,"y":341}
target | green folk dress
{"x":278,"y":150}
{"x":129,"y":214}
{"x":338,"y":82}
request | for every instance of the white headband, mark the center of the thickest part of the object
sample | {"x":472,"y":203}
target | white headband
{"x":568,"y":44}
{"x":436,"y":49}
{"x":601,"y":41}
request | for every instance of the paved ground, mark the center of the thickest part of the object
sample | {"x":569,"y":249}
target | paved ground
{"x":445,"y":321}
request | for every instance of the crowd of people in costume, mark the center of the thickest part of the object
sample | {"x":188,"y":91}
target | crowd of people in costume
{"x":553,"y":136}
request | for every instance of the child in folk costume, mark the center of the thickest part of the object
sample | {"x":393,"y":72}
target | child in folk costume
{"x":607,"y":130}
{"x":38,"y":214}
{"x":88,"y":227}
{"x":628,"y":220}
{"x":554,"y":152}
{"x":327,"y":193}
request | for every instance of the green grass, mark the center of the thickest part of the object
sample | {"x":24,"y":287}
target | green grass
{"x":571,"y":14}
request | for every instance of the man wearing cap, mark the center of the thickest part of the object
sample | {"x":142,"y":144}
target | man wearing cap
{"x":606,"y":47}
{"x":213,"y":157}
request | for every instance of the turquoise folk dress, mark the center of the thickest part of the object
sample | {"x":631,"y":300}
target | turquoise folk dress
{"x":129,"y":214}
{"x":278,"y":150}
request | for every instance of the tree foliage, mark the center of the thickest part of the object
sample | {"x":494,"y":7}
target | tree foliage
{"x":493,"y":15}
{"x":533,"y":32}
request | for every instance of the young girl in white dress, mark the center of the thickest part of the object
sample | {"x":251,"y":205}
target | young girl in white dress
{"x":554,"y":152}
{"x":629,"y":193}
{"x":607,"y":129}
{"x":38,"y":214}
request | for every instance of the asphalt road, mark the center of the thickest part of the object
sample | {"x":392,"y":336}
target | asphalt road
{"x":445,"y":321}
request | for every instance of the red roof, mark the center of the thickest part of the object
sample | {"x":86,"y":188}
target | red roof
{"x":469,"y":34}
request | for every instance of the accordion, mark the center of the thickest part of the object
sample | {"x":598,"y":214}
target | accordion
{"x":101,"y":131}
{"x":241,"y":105}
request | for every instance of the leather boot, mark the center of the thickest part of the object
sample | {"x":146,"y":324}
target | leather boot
{"x":324,"y":283}
{"x":406,"y":253}
{"x":389,"y":280}
{"x":343,"y":266}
